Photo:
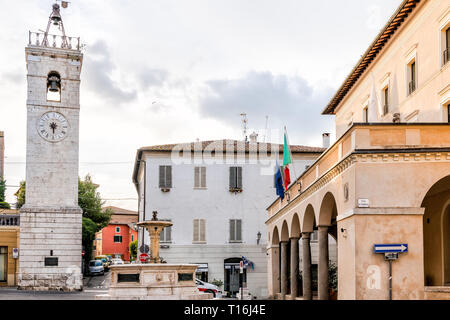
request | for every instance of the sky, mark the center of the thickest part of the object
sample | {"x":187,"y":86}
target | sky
{"x":173,"y":71}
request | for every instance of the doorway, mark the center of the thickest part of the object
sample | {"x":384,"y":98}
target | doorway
{"x":233,"y":280}
{"x":3,"y":264}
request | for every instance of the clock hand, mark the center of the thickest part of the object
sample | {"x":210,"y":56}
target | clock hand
{"x":53,"y":126}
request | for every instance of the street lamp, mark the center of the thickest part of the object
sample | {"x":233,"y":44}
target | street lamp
{"x":258,"y":237}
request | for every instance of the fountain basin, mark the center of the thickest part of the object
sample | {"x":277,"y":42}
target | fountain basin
{"x":153,"y":281}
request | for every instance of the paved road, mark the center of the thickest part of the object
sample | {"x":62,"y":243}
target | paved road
{"x":92,"y":286}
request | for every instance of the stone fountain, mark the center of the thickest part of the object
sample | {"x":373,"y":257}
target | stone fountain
{"x":154,"y":280}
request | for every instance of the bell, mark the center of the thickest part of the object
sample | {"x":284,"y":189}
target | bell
{"x":53,"y":84}
{"x":56,"y":16}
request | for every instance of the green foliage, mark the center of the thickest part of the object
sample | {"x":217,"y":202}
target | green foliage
{"x":2,"y":189}
{"x":20,"y":195}
{"x":4,"y":205}
{"x":88,"y":235}
{"x":133,"y":250}
{"x":91,"y":203}
{"x":332,"y":277}
{"x":94,"y":218}
{"x":218,"y":283}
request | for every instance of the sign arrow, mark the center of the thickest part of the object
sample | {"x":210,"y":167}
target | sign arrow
{"x":383,"y":248}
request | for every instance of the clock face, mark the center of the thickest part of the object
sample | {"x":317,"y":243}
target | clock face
{"x":53,"y":126}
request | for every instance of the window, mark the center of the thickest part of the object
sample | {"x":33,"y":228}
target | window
{"x":412,"y":74}
{"x":448,"y":113}
{"x":366,"y":114}
{"x":166,"y":234}
{"x":315,"y":236}
{"x":446,"y":53}
{"x":385,"y":100}
{"x":132,"y":237}
{"x":235,"y":230}
{"x":117,"y":239}
{"x":200,"y":177}
{"x":3,"y":264}
{"x":165,"y":177}
{"x":235,"y":178}
{"x":54,"y":87}
{"x":117,"y":229}
{"x":199,"y":230}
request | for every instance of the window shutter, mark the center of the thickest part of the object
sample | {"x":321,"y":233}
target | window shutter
{"x":203,"y":177}
{"x":168,"y":176}
{"x":162,"y":176}
{"x":196,"y":231}
{"x":238,"y":230}
{"x":169,"y":234}
{"x":196,"y":177}
{"x":232,"y":177}
{"x":232,"y":230}
{"x":202,"y":230}
{"x":239,"y":177}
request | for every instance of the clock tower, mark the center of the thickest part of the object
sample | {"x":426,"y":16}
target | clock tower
{"x":50,"y":226}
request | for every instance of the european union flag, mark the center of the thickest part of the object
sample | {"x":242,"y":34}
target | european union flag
{"x":279,"y":182}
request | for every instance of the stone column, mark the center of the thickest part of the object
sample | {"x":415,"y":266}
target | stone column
{"x":284,"y":280}
{"x":294,"y":268}
{"x":274,"y":270}
{"x":323,"y":263}
{"x":306,"y":272}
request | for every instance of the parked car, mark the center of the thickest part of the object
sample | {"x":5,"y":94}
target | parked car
{"x":104,"y":260}
{"x":96,"y":267}
{"x":116,"y":261}
{"x":209,"y":288}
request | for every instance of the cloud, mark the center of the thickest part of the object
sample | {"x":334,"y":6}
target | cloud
{"x":152,"y":77}
{"x":288,"y":101}
{"x":98,"y":69}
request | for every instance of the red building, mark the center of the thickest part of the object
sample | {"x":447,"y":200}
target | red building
{"x":115,"y":238}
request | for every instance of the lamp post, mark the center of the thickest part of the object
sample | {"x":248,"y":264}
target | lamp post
{"x":258,"y":237}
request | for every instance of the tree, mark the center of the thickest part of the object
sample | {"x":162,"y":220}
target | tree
{"x":94,"y":217}
{"x":133,"y":250}
{"x":20,"y":195}
{"x":3,"y":203}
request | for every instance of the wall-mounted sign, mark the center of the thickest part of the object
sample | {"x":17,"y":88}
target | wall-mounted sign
{"x":388,"y":248}
{"x":15,"y":253}
{"x":363,"y":203}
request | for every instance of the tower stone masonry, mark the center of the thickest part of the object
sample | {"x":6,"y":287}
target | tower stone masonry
{"x":50,"y":226}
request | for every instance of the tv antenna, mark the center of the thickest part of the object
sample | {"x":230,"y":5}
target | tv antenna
{"x":244,"y":125}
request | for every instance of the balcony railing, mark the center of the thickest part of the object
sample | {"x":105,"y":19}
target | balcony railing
{"x":411,"y":87}
{"x":9,"y":220}
{"x":53,"y":41}
{"x":446,"y":56}
{"x":365,"y":138}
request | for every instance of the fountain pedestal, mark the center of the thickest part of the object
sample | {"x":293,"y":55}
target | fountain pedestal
{"x":155,"y":280}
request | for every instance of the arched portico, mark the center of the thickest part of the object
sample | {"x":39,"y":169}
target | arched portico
{"x":436,"y":234}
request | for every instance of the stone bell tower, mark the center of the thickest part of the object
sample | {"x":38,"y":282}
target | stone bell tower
{"x":50,"y":220}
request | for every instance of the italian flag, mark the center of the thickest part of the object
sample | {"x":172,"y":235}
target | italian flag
{"x":286,"y":161}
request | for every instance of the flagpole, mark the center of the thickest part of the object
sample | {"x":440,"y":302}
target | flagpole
{"x":290,"y":153}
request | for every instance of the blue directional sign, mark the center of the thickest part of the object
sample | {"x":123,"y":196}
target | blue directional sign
{"x":385,"y":248}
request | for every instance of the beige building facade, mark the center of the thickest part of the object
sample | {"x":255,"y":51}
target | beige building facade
{"x":386,"y":180}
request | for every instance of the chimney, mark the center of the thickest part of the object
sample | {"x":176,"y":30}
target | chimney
{"x":254,"y":137}
{"x":326,"y":140}
{"x":2,"y":154}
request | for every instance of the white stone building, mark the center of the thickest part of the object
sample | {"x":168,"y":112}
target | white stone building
{"x":215,"y":193}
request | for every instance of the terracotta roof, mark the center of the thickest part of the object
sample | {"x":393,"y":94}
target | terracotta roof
{"x":398,"y":18}
{"x":214,"y":145}
{"x":237,"y":145}
{"x":117,"y":210}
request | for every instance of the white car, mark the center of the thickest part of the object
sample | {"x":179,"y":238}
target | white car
{"x":117,"y":261}
{"x":209,"y":288}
